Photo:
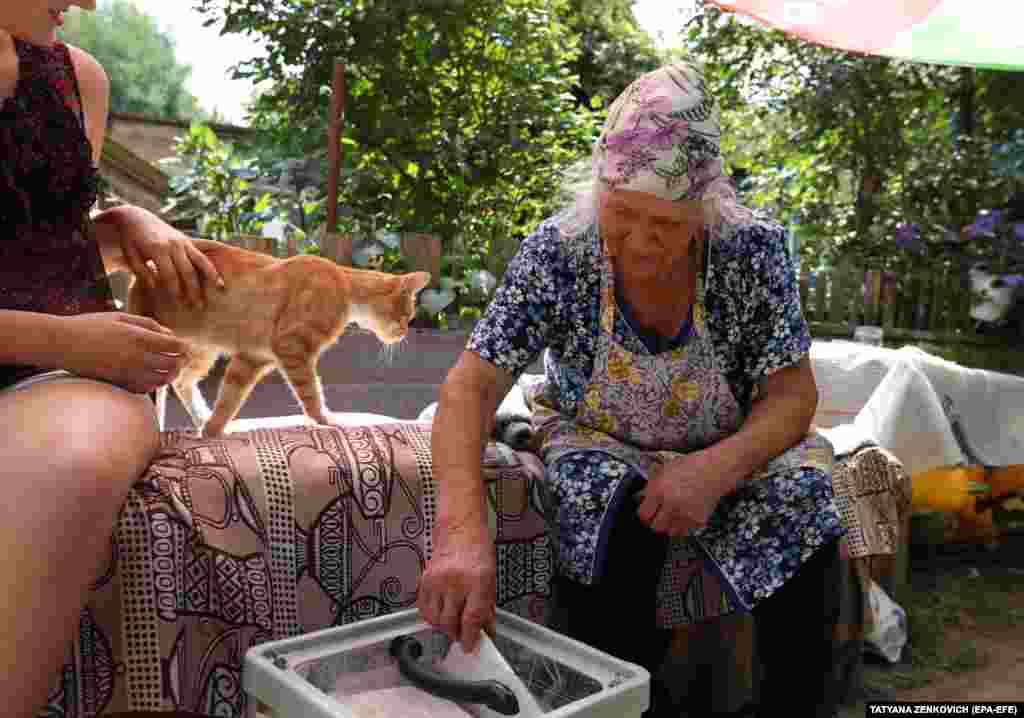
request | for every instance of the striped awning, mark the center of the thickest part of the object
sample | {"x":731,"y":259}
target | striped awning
{"x":973,"y":33}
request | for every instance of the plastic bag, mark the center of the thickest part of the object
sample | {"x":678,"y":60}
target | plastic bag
{"x":887,"y":631}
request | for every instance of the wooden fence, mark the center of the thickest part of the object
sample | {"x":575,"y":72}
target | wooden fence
{"x":930,"y":310}
{"x":929,"y":307}
{"x":266,"y":245}
{"x":923,"y":306}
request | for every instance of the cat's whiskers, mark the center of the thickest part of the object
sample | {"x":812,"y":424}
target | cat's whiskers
{"x":389,"y":351}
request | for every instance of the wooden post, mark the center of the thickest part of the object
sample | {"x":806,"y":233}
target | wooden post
{"x":923,"y":309}
{"x":254,"y":243}
{"x":805,"y":295}
{"x":890,"y":293}
{"x":821,"y":285}
{"x":903,"y":311}
{"x":962,"y":287}
{"x":874,"y":297}
{"x":839,"y":301}
{"x":423,"y":252}
{"x":337,"y":245}
{"x":937,"y":320}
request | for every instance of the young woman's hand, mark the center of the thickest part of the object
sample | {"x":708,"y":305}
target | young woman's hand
{"x":164,"y":258}
{"x":134,"y":352}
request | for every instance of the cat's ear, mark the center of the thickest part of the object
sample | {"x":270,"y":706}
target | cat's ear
{"x":415,"y":281}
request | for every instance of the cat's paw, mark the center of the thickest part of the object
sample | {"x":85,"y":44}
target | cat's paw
{"x":212,"y":430}
{"x":202,"y":414}
{"x":327,"y":419}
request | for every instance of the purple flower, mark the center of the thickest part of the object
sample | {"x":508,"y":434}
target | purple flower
{"x":1018,"y":231}
{"x":1014,"y":280}
{"x":986,"y":223}
{"x":908,"y":238}
{"x":907,"y":233}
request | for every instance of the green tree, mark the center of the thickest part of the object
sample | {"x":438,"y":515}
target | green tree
{"x":460,"y":115}
{"x":216,"y":195}
{"x":145,"y":77}
{"x":852,"y":146}
{"x":613,"y":49}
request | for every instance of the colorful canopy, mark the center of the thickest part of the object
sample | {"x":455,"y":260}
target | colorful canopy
{"x":977,"y":33}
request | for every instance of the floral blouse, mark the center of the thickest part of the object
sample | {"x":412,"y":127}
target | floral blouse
{"x":48,"y":183}
{"x":549,"y":298}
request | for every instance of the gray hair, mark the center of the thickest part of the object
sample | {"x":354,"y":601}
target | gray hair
{"x":581,"y":192}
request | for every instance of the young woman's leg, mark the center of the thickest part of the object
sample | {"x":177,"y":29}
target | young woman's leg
{"x":795,"y":637}
{"x":69,"y":452}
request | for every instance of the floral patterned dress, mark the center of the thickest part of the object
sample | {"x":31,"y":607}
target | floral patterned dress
{"x":610,"y":409}
{"x":48,"y":183}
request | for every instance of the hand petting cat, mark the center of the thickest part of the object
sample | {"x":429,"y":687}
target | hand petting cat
{"x":158,"y":254}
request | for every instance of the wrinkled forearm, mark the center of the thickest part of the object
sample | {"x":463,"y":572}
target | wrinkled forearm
{"x":779,"y":419}
{"x":461,"y":426}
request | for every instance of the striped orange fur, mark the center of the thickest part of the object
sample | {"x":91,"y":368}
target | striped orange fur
{"x":275,"y":314}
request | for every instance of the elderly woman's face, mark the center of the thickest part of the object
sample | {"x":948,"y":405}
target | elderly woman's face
{"x":37,"y":20}
{"x":648,"y":237}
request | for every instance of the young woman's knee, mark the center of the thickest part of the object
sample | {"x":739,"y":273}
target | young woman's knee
{"x":97,"y":444}
{"x":111,"y":431}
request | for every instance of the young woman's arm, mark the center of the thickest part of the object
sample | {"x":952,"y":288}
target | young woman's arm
{"x":32,"y":339}
{"x":130,"y":236}
{"x":94,"y":88}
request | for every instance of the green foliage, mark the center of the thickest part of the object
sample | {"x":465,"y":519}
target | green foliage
{"x":460,"y":117}
{"x":445,"y":100}
{"x":613,"y":49}
{"x":850,"y":147}
{"x":145,"y":77}
{"x":1008,"y":157}
{"x":215,"y":192}
{"x":382,"y":253}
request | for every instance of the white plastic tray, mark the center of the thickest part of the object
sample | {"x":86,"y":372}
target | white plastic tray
{"x":290,"y":678}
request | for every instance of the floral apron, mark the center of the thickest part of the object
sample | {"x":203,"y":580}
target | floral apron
{"x":645,"y":409}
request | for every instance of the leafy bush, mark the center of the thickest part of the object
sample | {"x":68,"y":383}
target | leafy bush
{"x":214,"y":192}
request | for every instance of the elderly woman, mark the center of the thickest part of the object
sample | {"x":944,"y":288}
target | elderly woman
{"x":674,"y":414}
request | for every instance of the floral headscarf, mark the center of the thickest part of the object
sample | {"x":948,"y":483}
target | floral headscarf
{"x":662,"y":136}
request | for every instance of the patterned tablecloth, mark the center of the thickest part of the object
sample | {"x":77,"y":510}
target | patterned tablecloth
{"x":268,"y":533}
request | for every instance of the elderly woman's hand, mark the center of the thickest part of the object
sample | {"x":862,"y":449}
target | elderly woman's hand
{"x":458,"y":590}
{"x":680,"y":495}
{"x":182,"y":269}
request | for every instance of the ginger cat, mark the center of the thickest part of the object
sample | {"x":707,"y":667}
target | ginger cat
{"x":275,"y":314}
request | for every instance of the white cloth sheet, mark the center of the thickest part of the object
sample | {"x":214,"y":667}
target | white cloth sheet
{"x":927,"y":411}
